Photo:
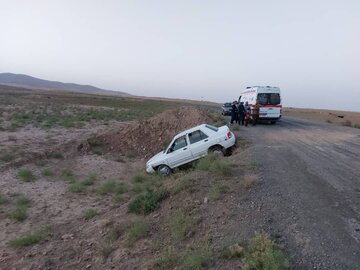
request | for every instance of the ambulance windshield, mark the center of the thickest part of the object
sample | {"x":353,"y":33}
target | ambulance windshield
{"x":269,"y":99}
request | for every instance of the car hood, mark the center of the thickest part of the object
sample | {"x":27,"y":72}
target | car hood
{"x":159,"y":156}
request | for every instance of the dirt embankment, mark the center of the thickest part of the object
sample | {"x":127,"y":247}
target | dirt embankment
{"x":148,"y":137}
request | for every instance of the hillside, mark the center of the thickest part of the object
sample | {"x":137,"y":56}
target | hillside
{"x":26,"y":81}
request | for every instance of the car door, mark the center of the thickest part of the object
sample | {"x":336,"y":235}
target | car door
{"x":179,"y":152}
{"x":199,"y":143}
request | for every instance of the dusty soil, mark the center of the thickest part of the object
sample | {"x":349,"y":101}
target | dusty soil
{"x":148,"y":137}
{"x":309,"y":191}
{"x":329,"y":116}
{"x":76,"y":243}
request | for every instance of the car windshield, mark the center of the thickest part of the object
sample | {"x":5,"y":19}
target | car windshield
{"x":227,"y":104}
{"x":269,"y":99}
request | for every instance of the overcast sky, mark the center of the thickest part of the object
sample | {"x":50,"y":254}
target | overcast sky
{"x":190,"y":49}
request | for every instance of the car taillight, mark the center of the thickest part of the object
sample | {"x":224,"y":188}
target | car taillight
{"x":229,"y":135}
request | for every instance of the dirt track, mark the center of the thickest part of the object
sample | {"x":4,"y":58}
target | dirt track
{"x":309,"y":196}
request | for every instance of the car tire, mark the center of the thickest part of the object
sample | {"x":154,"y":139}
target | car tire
{"x":164,"y":170}
{"x":217,"y":150}
{"x":273,"y":122}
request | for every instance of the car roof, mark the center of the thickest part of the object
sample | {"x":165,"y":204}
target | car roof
{"x":190,"y":130}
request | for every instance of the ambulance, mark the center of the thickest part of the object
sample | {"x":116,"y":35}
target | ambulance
{"x":268,"y":99}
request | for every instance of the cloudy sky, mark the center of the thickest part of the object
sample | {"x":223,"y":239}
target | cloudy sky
{"x":190,"y":49}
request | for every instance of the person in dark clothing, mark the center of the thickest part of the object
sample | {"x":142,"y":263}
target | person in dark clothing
{"x":242,"y":113}
{"x":234,"y":113}
{"x":247,"y":117}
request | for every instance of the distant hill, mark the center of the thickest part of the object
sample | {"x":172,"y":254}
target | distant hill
{"x":25,"y":81}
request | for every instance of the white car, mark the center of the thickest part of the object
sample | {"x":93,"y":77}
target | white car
{"x":191,"y":145}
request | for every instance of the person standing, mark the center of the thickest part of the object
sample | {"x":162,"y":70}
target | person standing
{"x":234,"y":113}
{"x":255,"y":114}
{"x":242,"y":113}
{"x":247,"y":117}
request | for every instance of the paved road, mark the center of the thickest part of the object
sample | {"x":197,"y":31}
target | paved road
{"x":310,"y":190}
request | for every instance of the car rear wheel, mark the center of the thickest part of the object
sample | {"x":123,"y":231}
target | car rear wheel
{"x":164,"y":170}
{"x":217,"y":150}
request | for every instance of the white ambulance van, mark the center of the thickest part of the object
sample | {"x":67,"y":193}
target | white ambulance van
{"x":268,"y":99}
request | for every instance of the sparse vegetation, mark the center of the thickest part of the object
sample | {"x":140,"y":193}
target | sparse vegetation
{"x":217,"y":190}
{"x":147,"y":203}
{"x":68,"y":175}
{"x":195,"y":258}
{"x":19,"y":213}
{"x":181,"y":184}
{"x":31,"y":238}
{"x":47,"y":172}
{"x":90,"y":213}
{"x":215,"y":165}
{"x":76,"y":187}
{"x":108,"y":246}
{"x":89,"y":180}
{"x":7,"y":157}
{"x":112,"y":187}
{"x":56,"y":154}
{"x":262,"y":253}
{"x":181,"y":223}
{"x":135,"y":231}
{"x":3,"y":199}
{"x":26,"y":175}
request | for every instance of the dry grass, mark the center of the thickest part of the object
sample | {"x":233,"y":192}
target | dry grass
{"x":249,"y":181}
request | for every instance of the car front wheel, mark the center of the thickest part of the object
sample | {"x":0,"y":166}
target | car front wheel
{"x":164,"y":170}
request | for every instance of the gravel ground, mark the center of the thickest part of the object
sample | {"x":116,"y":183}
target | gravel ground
{"x":308,"y":198}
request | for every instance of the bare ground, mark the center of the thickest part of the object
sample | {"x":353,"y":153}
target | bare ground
{"x":76,"y":243}
{"x":308,"y":193}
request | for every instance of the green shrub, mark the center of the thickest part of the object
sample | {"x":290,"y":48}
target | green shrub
{"x":56,"y":154}
{"x":22,"y":204}
{"x":181,"y":184}
{"x":112,"y":186}
{"x":217,"y":190}
{"x":19,"y":213}
{"x":106,"y":188}
{"x":169,"y":259}
{"x":90,"y":213}
{"x":23,"y":201}
{"x":93,"y":142}
{"x":135,"y":231}
{"x":3,"y":199}
{"x":263,"y":254}
{"x":147,"y":203}
{"x":197,"y":258}
{"x":89,"y":180}
{"x":215,"y":165}
{"x":26,"y":175}
{"x":31,"y":238}
{"x":76,"y":187}
{"x":68,"y":175}
{"x":7,"y":157}
{"x":140,"y":178}
{"x":47,"y":172}
{"x":181,"y":223}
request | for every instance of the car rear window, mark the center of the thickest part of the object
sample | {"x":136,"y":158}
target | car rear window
{"x":197,"y":136}
{"x":212,"y":128}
